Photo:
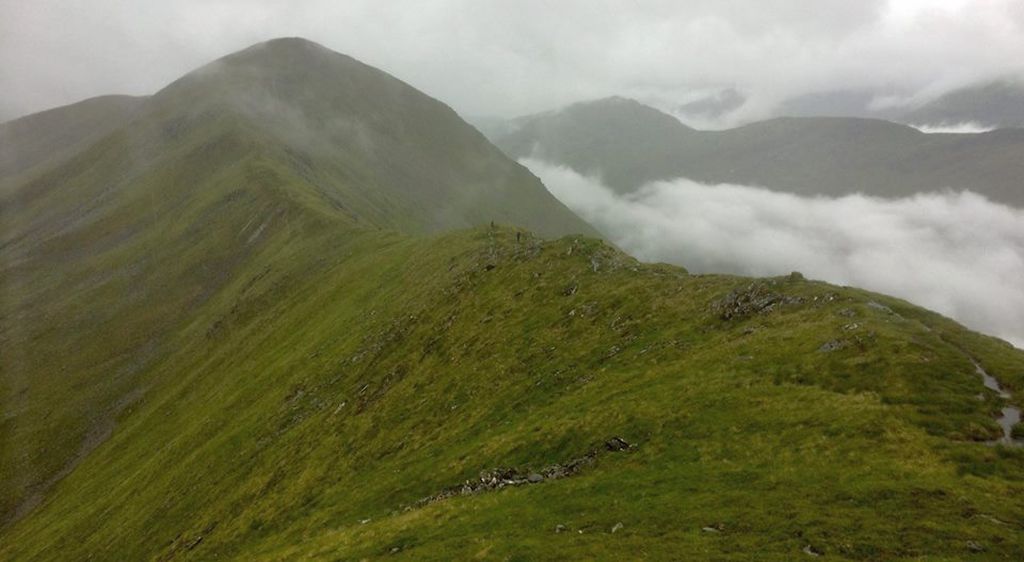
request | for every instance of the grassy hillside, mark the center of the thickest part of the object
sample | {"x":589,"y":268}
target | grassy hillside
{"x":811,"y":155}
{"x":214,"y":349}
{"x":129,"y":236}
{"x":341,"y":377}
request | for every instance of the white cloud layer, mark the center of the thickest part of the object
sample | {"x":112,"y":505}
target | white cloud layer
{"x":967,"y":127}
{"x":956,"y":253}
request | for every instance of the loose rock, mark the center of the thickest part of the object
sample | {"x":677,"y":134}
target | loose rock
{"x":811,"y":551}
{"x":830,"y":346}
{"x":616,"y":444}
{"x":755,"y":298}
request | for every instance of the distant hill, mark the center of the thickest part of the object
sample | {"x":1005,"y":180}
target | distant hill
{"x":245,"y":322}
{"x":628,"y":145}
{"x":999,"y":103}
{"x":995,"y":104}
{"x":50,"y":135}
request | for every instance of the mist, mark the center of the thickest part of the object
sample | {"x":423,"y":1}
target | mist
{"x":526,"y":56}
{"x":967,"y":127}
{"x":956,"y":253}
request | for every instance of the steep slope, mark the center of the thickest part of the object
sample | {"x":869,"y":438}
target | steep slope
{"x":340,"y":379}
{"x":821,"y":155}
{"x":209,"y":353}
{"x":374,"y":146}
{"x":129,"y":237}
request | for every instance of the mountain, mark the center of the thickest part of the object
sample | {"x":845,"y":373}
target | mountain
{"x":835,"y":103}
{"x":150,"y":207}
{"x":812,"y":155}
{"x":238,"y":327}
{"x":618,"y":138}
{"x":999,"y":103}
{"x":50,"y":135}
{"x":708,"y":108}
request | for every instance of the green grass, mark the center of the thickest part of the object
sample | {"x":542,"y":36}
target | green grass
{"x":206,"y":357}
{"x":369,"y":371}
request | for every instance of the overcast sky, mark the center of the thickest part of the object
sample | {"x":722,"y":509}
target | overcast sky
{"x":515,"y":57}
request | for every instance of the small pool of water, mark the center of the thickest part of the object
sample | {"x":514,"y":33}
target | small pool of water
{"x":1010,"y":418}
{"x":1010,"y":414}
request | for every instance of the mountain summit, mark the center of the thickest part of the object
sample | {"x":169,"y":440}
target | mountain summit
{"x":362,"y":141}
{"x":373,"y":145}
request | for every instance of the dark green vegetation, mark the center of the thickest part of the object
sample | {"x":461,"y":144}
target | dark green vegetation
{"x":221,"y":343}
{"x":629,"y":144}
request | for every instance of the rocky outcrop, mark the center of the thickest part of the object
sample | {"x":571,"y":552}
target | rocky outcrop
{"x":756,"y":298}
{"x":498,"y":478}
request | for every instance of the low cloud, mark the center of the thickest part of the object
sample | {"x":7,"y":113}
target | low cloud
{"x":953,"y":252}
{"x":967,"y":127}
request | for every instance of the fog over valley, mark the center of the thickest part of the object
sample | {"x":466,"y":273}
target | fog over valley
{"x":954,"y":252}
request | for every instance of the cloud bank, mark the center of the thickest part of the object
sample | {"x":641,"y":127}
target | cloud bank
{"x":967,"y":127}
{"x":953,"y":252}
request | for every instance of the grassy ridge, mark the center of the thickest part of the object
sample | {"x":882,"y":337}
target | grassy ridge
{"x":360,"y":375}
{"x":116,"y":234}
{"x":220,"y":343}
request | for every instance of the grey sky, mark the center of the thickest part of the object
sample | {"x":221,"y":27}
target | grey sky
{"x":508,"y":58}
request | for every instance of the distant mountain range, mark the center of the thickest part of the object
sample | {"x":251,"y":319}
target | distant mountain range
{"x":998,"y":104}
{"x":993,"y":104}
{"x":629,"y":144}
{"x":291,"y":308}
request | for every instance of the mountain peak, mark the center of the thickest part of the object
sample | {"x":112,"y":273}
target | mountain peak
{"x":290,"y":43}
{"x":288,"y":50}
{"x":622,"y":113}
{"x":286,"y":68}
{"x":387,"y":153}
{"x":612,"y":101}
